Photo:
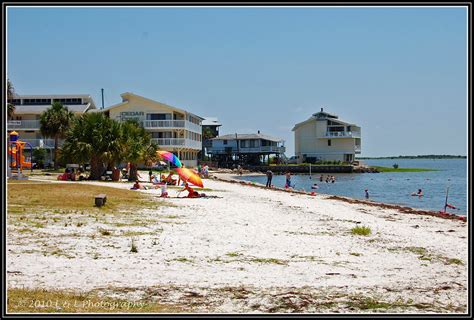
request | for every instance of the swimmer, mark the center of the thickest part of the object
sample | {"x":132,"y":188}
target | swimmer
{"x":419,"y":193}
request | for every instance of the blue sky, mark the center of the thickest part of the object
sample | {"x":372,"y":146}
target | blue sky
{"x":399,"y":73}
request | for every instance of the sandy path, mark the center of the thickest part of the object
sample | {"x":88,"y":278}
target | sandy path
{"x":264,"y":243}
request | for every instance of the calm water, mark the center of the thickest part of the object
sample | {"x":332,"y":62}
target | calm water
{"x":394,"y":187}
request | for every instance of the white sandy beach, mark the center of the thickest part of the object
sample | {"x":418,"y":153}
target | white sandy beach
{"x":253,"y":250}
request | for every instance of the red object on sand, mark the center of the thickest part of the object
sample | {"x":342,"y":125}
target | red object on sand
{"x":190,"y":176}
{"x":313,"y":193}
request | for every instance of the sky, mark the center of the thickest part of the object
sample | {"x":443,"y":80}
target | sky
{"x":400,"y":73}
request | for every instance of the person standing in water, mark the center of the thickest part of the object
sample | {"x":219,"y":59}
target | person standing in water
{"x":288,"y":180}
{"x":269,"y":179}
{"x":321,"y":178}
{"x":367,"y":193}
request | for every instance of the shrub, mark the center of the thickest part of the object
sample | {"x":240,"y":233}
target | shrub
{"x":395,"y":166}
{"x":361,"y":231}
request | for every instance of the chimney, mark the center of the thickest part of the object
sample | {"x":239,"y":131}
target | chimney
{"x":321,"y":109}
{"x":258,"y":131}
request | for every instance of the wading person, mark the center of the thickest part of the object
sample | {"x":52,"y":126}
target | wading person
{"x":269,"y":178}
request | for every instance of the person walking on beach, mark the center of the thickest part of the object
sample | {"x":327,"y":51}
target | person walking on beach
{"x":269,"y":179}
{"x":288,"y":180}
{"x":366,"y":193}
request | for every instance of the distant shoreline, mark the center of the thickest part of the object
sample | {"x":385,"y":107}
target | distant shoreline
{"x":415,"y":157}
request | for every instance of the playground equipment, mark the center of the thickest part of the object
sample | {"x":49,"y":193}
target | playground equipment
{"x":16,"y":159}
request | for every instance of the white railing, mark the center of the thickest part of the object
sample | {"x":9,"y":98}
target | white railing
{"x":343,"y":134}
{"x":193,"y":127}
{"x":43,"y":143}
{"x":249,"y":150}
{"x":150,"y":124}
{"x":172,"y":124}
{"x":178,"y":143}
{"x":23,"y":124}
{"x":357,"y":149}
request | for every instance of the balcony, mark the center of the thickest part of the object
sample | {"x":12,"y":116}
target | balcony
{"x":172,"y":124}
{"x":262,"y":149}
{"x":342,"y":134}
{"x":43,"y":143}
{"x":177,"y":143}
{"x":23,"y":124}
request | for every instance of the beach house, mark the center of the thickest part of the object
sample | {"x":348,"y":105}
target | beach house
{"x":210,"y":130}
{"x":326,"y":137}
{"x":26,"y":118}
{"x":173,"y":129}
{"x":245,"y":149}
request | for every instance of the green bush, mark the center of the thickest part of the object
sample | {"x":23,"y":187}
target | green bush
{"x":361,"y":231}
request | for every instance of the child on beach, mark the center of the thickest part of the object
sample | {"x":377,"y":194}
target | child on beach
{"x":164,"y":191}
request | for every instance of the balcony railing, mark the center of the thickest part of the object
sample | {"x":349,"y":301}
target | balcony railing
{"x":42,"y":143}
{"x":151,"y":124}
{"x":342,"y":134}
{"x":357,"y":149}
{"x":193,"y":127}
{"x":177,"y":143}
{"x":262,"y":149}
{"x":23,"y":124}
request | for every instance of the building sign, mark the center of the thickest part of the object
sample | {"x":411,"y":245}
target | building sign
{"x":132,"y":115}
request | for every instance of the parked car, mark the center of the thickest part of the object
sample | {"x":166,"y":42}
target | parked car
{"x":293,"y":160}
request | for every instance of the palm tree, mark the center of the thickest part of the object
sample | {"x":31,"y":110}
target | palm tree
{"x":54,"y":122}
{"x":137,"y":147}
{"x":96,"y":139}
{"x":10,"y":95}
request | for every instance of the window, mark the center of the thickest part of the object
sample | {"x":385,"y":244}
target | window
{"x":329,"y":142}
{"x":225,"y":141}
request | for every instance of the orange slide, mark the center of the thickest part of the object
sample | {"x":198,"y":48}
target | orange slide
{"x":18,"y":147}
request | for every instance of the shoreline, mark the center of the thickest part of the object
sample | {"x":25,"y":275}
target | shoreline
{"x":231,"y":178}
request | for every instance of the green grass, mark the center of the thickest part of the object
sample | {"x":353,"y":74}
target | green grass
{"x":268,"y":260}
{"x":355,"y":254}
{"x":361,"y":231}
{"x":389,"y":169}
{"x":233,"y":254}
{"x":66,"y":197}
{"x":454,"y":261}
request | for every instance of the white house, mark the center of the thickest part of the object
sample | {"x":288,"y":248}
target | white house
{"x":26,"y":118}
{"x":326,"y":137}
{"x":173,"y":129}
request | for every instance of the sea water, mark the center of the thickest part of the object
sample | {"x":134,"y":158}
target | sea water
{"x":393,"y":187}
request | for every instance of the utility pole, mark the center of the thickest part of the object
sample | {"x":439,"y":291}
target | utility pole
{"x":102,"y":90}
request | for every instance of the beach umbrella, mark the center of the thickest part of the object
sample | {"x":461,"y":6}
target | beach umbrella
{"x":190,"y":176}
{"x":170,"y":157}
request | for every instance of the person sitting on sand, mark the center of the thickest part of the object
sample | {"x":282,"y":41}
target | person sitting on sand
{"x":137,"y":186}
{"x":169,"y":179}
{"x":191,"y":192}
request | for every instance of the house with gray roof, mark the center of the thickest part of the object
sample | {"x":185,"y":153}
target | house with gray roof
{"x":245,"y":149}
